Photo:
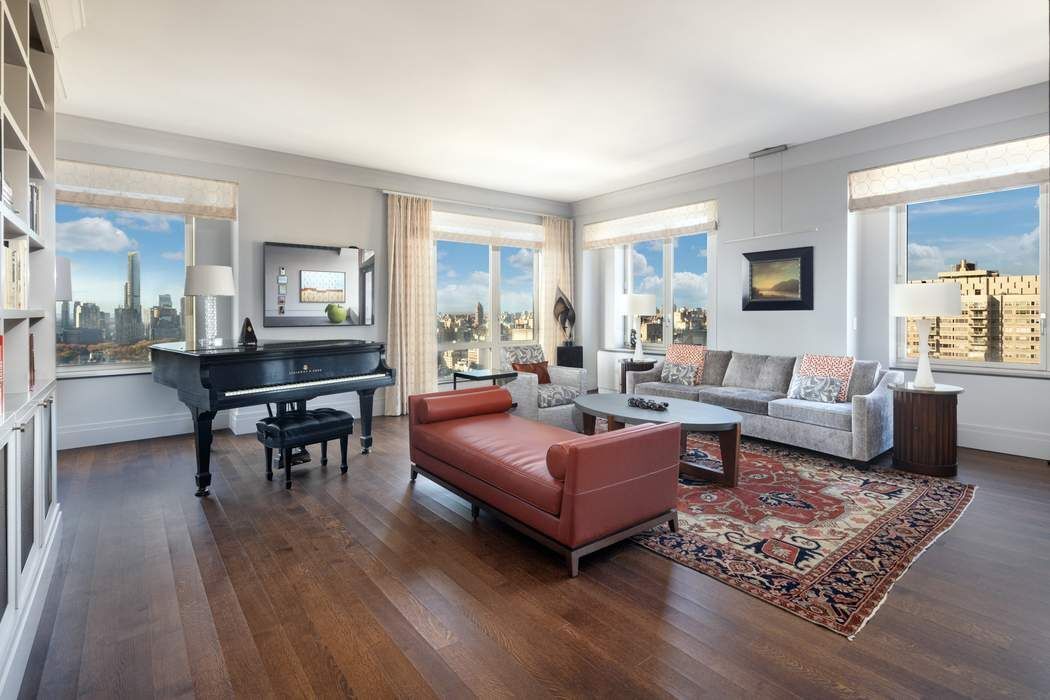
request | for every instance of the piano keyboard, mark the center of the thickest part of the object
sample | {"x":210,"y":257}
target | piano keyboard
{"x":302,"y":385}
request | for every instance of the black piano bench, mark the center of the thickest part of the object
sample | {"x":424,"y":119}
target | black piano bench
{"x":292,"y":429}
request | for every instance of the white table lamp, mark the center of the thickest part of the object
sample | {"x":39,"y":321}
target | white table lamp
{"x":210,"y":281}
{"x":636,"y":306}
{"x":924,"y":301}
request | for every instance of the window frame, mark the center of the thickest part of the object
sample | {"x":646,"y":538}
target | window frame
{"x":667,"y":302}
{"x":900,"y":340}
{"x":494,"y":344}
{"x":113,"y":369}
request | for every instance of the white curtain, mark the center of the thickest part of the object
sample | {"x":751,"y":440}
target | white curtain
{"x":1012,"y":164}
{"x":654,"y":225}
{"x":411,"y":348}
{"x":557,"y":273}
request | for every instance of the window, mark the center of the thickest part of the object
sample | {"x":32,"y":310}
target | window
{"x":482,"y":288}
{"x":683,"y":261}
{"x":994,"y":245}
{"x":127,"y":272}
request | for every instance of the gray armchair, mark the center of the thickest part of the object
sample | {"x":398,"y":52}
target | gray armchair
{"x":548,"y":403}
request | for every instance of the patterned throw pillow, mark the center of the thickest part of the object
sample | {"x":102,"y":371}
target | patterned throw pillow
{"x":835,"y":366}
{"x":823,"y":389}
{"x":537,"y":368}
{"x":674,"y":373}
{"x":682,"y":354}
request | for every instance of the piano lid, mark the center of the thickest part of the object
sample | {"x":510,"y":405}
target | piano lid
{"x":234,"y":350}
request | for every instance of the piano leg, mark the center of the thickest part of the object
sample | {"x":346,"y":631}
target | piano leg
{"x":365,"y":397}
{"x":202,"y":441}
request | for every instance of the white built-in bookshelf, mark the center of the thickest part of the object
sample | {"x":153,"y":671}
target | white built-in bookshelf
{"x":29,"y":510}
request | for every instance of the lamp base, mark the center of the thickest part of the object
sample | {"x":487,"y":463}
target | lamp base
{"x":923,"y":374}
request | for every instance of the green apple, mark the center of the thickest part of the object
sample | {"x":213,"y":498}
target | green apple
{"x":336,"y":313}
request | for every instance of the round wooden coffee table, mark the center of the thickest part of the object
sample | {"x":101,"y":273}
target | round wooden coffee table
{"x":694,"y":416}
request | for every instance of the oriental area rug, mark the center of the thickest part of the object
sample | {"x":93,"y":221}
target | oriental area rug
{"x":806,"y":533}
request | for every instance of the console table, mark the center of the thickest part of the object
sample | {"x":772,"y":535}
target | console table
{"x":925,"y":429}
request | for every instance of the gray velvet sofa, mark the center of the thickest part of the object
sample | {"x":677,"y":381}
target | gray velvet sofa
{"x":755,"y":386}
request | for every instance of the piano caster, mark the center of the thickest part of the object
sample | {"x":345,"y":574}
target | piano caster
{"x":366,"y":444}
{"x":203,"y":482}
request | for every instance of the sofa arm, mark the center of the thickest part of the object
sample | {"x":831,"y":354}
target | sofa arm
{"x":873,"y":419}
{"x":615,"y":480}
{"x":525,"y":393}
{"x":649,"y":375}
{"x":569,"y":376}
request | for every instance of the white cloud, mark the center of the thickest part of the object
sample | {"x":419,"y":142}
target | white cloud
{"x":639,"y":265}
{"x":158,"y":223}
{"x":173,"y":255}
{"x":522,"y":258}
{"x":651,"y":284}
{"x":463,"y":297}
{"x":92,"y":233}
{"x":690,"y":289}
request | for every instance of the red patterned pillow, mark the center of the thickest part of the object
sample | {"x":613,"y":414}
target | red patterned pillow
{"x":836,"y":366}
{"x":681,"y":354}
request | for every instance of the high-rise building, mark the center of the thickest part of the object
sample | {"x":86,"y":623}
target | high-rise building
{"x":132,"y":288}
{"x":130,"y":326}
{"x":1000,"y":319}
{"x":479,"y":316}
{"x":164,"y":301}
{"x":66,"y":321}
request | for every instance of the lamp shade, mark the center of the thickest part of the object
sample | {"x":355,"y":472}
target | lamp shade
{"x":927,"y":299}
{"x":209,"y":281}
{"x":63,"y":279}
{"x":641,"y":304}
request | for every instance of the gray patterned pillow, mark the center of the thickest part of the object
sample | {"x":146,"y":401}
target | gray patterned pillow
{"x":674,"y":373}
{"x":823,"y":389}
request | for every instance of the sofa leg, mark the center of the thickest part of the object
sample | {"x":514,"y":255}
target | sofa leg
{"x":573,"y":560}
{"x":475,"y":511}
{"x":673,"y":522}
{"x":412,"y":473}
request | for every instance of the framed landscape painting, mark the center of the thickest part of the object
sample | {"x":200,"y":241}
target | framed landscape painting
{"x":778,"y":280}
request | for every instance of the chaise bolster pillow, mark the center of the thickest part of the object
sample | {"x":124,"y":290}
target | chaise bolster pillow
{"x":434,"y":409}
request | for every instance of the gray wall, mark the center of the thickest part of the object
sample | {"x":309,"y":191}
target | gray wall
{"x":282,"y":198}
{"x":851,"y":254}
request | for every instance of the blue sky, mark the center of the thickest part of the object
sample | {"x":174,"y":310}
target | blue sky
{"x":690,"y":270}
{"x":998,"y":231}
{"x":97,"y":242}
{"x":463,"y":278}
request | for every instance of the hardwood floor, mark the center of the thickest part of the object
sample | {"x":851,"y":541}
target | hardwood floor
{"x":365,"y":585}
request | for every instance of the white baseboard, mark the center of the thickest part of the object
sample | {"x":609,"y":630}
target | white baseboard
{"x":243,"y":420}
{"x":1026,"y":443}
{"x":106,"y":432}
{"x":21,"y":643}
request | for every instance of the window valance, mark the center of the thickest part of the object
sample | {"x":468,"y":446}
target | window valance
{"x":480,"y":229}
{"x":1011,"y":164}
{"x":655,"y":225}
{"x":109,"y":187}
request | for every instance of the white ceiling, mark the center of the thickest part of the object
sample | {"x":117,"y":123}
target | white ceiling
{"x":561,"y":99}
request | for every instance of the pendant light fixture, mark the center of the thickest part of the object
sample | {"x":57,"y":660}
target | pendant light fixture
{"x":754,"y":156}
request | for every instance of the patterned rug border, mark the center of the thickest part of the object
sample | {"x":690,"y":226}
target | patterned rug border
{"x":873,"y":599}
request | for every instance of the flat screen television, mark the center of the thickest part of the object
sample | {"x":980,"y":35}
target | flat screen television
{"x":317,"y":285}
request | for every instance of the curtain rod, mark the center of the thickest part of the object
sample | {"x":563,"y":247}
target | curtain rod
{"x":473,"y":204}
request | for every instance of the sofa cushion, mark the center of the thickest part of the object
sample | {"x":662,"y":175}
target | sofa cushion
{"x":683,"y":354}
{"x":674,"y":373}
{"x":715,"y":364}
{"x":551,"y":395}
{"x":837,"y":366}
{"x":521,"y":353}
{"x":820,"y":389}
{"x":768,"y":372}
{"x":865,"y":377}
{"x":432,"y":409}
{"x":537,"y":368}
{"x":828,"y":415}
{"x":739,"y":398}
{"x":672,"y":391}
{"x":504,"y":451}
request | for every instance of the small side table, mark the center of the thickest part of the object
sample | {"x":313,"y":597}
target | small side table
{"x":629,"y":364}
{"x":925,"y":428}
{"x":570,"y":355}
{"x":475,"y":375}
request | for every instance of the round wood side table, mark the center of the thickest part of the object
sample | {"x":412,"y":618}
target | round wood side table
{"x":925,"y":428}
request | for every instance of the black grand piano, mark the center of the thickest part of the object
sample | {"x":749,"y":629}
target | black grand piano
{"x":210,"y":379}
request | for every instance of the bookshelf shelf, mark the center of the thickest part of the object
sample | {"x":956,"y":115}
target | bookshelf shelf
{"x":15,"y":139}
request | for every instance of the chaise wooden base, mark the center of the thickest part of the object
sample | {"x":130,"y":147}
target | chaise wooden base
{"x":571,"y":556}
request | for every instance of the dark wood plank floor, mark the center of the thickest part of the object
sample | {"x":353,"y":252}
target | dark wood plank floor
{"x":363,"y":585}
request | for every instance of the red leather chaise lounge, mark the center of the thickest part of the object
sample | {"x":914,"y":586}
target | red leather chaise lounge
{"x":572,"y":493}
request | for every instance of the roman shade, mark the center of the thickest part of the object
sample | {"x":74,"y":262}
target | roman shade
{"x":1011,"y":164}
{"x":655,"y":225}
{"x":109,"y":187}
{"x":466,"y":228}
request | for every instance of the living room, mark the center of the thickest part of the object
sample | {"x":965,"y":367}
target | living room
{"x":712,"y":366}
